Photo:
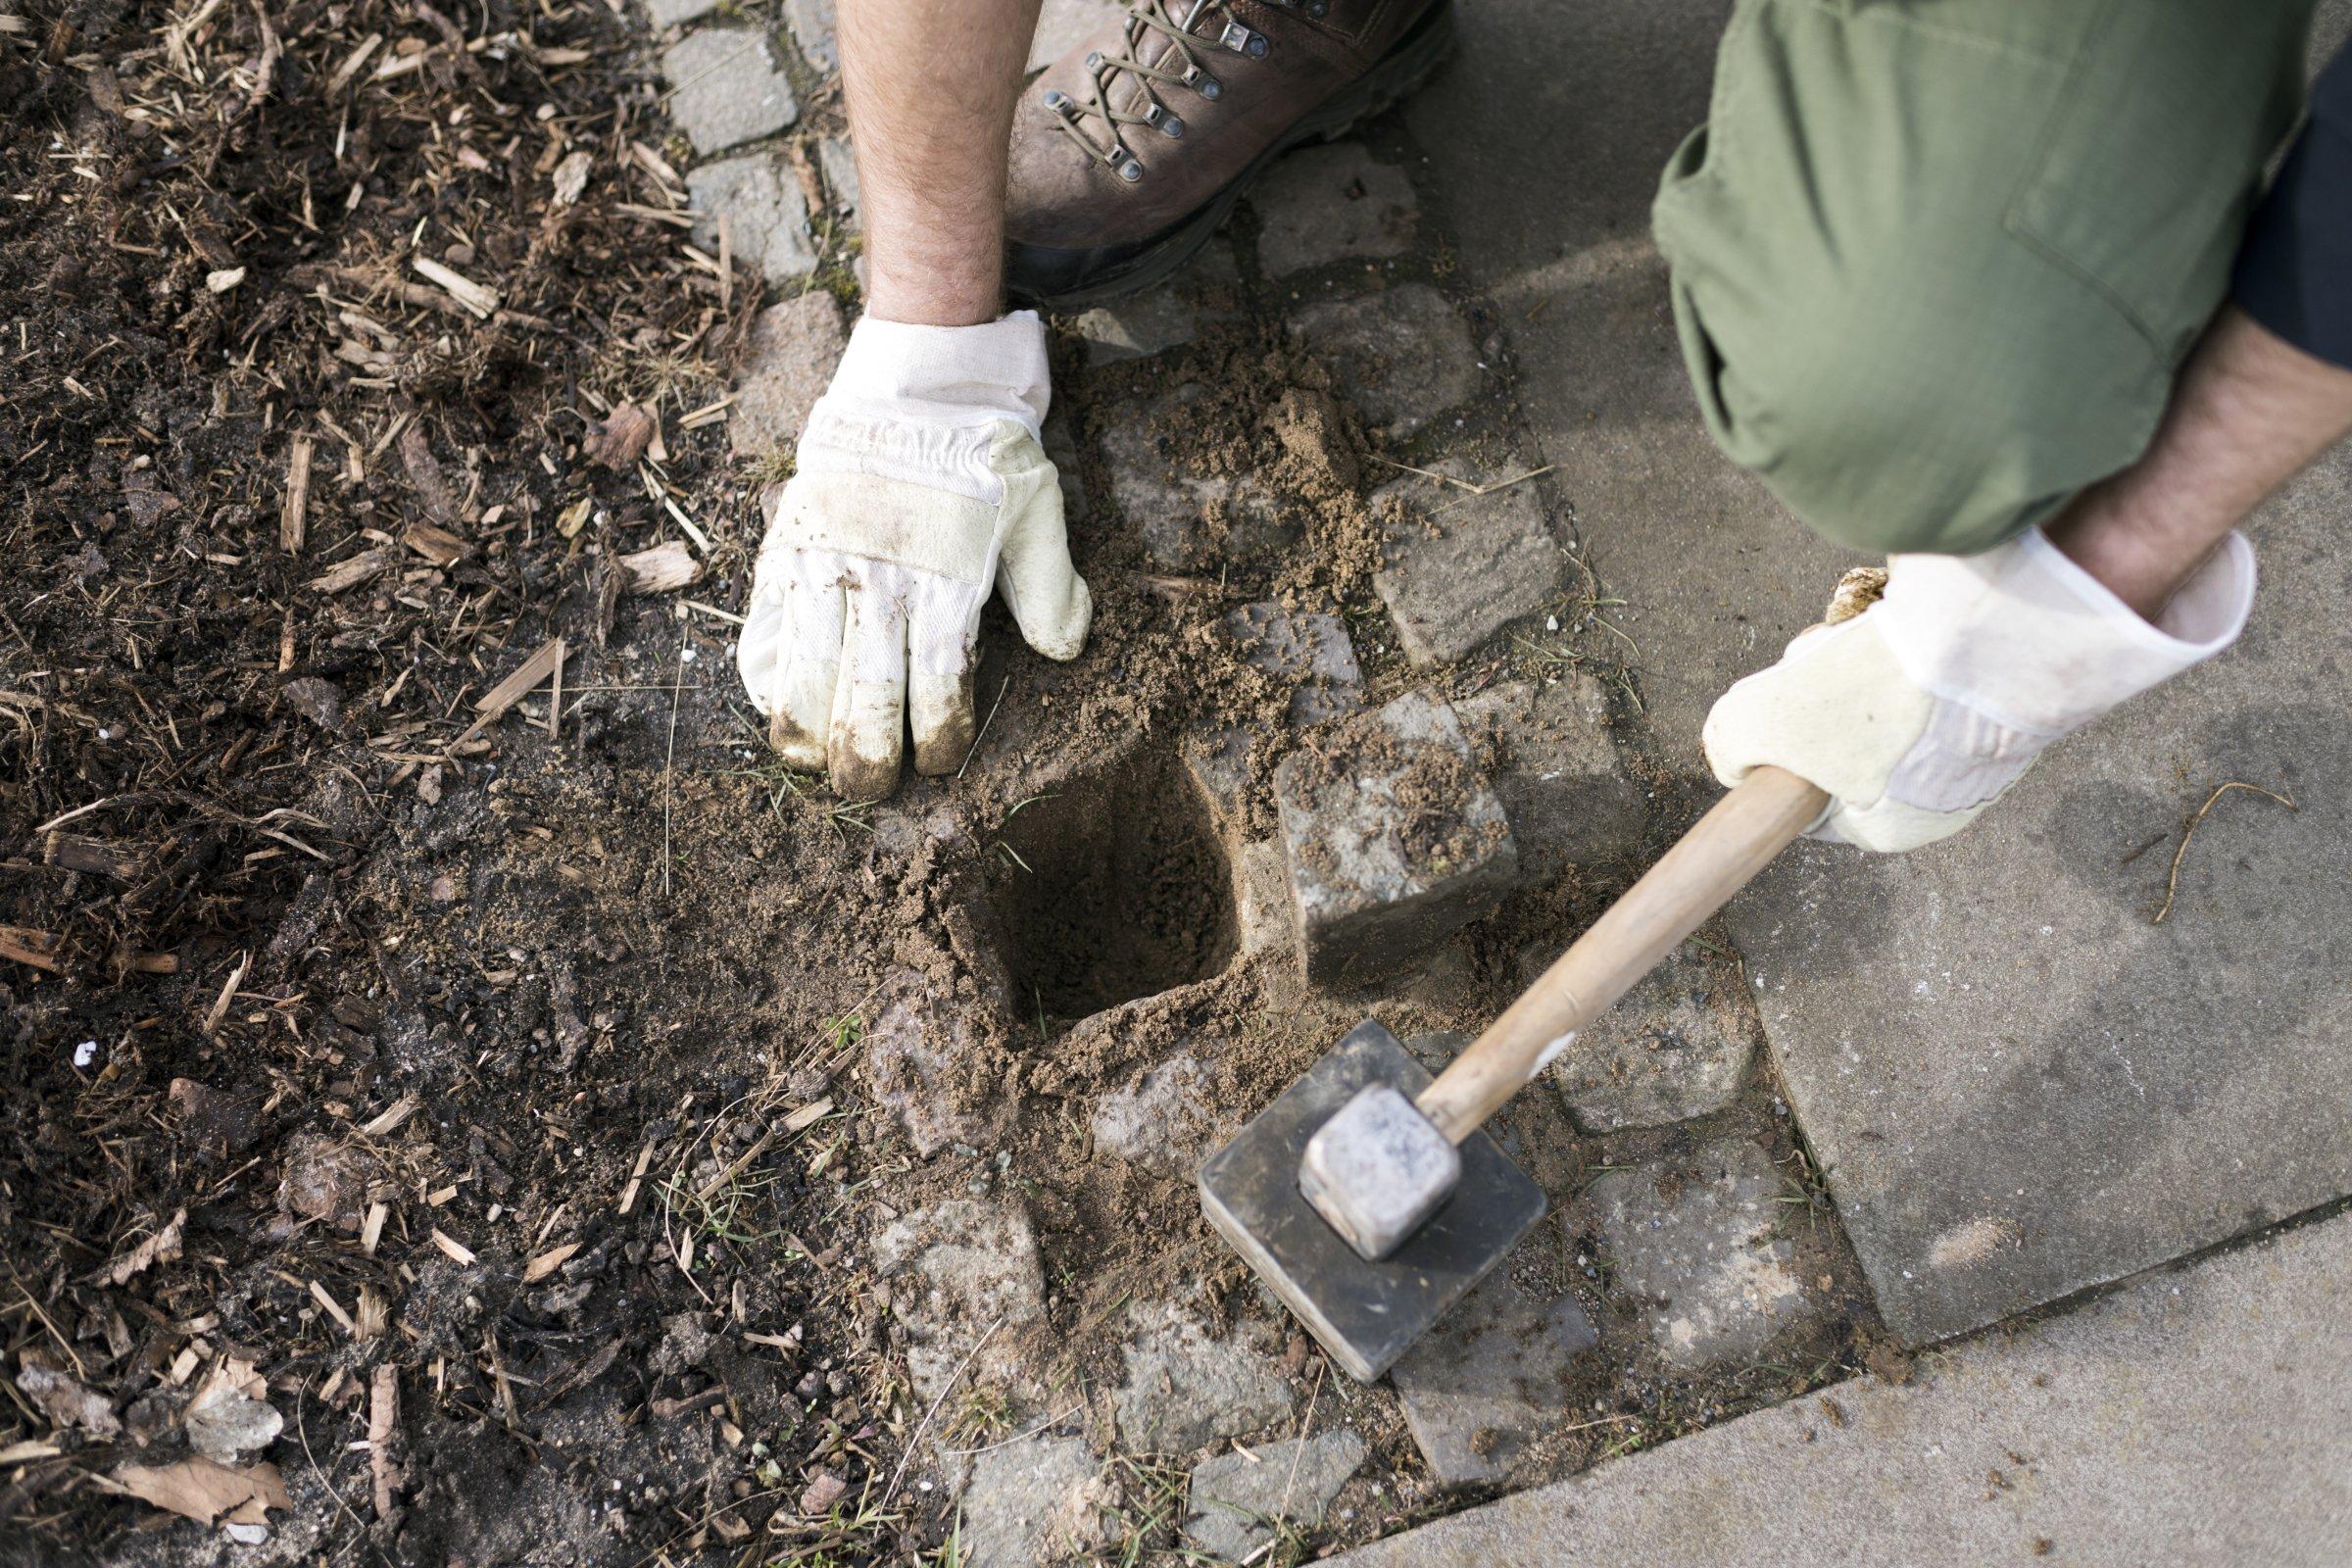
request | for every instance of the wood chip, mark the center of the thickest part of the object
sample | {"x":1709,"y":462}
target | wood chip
{"x":385,"y":1462}
{"x":333,"y":1309}
{"x":200,"y":1490}
{"x":807,"y":1115}
{"x":459,"y":1252}
{"x":434,"y":543}
{"x":294,"y":517}
{"x":482,"y":302}
{"x":362,"y":567}
{"x":160,"y":1248}
{"x":547,"y":1262}
{"x":493,"y":703}
{"x":622,"y":439}
{"x":383,"y":1125}
{"x":24,"y":945}
{"x":373,"y":1231}
{"x":664,"y":569}
{"x":228,"y":994}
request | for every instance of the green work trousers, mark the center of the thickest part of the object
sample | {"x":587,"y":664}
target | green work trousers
{"x":1935,"y":261}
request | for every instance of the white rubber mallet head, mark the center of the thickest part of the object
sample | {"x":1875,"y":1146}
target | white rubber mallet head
{"x":1377,"y":1170}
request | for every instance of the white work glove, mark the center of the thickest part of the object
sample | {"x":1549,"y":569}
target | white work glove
{"x":1918,"y":712}
{"x":919,"y":483}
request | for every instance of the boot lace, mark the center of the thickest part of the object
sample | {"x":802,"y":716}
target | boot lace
{"x":1123,"y":89}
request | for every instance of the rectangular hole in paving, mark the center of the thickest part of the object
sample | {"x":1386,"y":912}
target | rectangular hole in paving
{"x":1111,"y":887}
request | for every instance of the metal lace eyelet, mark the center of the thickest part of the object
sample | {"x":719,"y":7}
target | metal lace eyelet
{"x":1131,"y":171}
{"x":1208,"y":86}
{"x":1171,"y":125}
{"x":1094,"y":61}
{"x":1059,"y":101}
{"x":1317,"y":9}
{"x":1238,"y":38}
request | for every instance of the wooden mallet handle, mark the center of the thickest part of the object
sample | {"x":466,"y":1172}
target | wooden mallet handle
{"x":1730,"y":844}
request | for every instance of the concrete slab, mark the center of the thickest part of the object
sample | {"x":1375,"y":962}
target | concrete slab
{"x":1065,"y":25}
{"x":1322,"y":205}
{"x":2020,"y":1085}
{"x":2201,"y":1418}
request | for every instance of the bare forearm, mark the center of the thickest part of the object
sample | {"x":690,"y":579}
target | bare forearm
{"x":930,"y":87}
{"x":2249,"y":412}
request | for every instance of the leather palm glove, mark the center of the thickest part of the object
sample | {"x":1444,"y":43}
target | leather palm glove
{"x":1921,"y":711}
{"x":919,"y":484}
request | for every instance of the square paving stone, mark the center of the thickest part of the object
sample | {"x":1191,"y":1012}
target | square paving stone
{"x":1328,"y":204}
{"x":1495,"y":1375}
{"x":725,"y":88}
{"x":812,"y":24}
{"x":1182,"y":1388}
{"x":957,"y":1271}
{"x":1458,"y":567}
{"x":795,"y":344}
{"x":1676,"y":1046}
{"x":768,"y":217}
{"x":1188,"y":520}
{"x":675,"y":12}
{"x":1137,"y":327}
{"x":1694,"y":1237}
{"x":1563,"y":785}
{"x":1393,"y":838}
{"x":1235,"y":1498}
{"x":1309,"y":653}
{"x":1043,"y":1498}
{"x":1402,"y":355}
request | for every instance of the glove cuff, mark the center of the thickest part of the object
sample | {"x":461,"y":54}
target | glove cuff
{"x":2025,"y":638}
{"x":945,"y":375}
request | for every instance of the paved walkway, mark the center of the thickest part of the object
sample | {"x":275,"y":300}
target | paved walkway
{"x":2198,"y":1416}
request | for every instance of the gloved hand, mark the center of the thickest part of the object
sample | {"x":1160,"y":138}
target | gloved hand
{"x":1918,"y":712}
{"x":919,"y":483}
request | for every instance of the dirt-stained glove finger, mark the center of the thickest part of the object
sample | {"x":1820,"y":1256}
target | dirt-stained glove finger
{"x":866,"y":741}
{"x":942,"y":652}
{"x":810,"y":666}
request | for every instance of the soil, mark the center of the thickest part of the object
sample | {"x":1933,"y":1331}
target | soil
{"x":491,"y":1080}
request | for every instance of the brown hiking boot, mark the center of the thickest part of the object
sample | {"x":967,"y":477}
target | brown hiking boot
{"x":1131,"y":149}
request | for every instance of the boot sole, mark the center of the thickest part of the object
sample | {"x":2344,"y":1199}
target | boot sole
{"x":1116,"y":272}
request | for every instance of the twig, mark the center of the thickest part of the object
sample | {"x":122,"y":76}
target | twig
{"x":1006,"y":1443}
{"x":670,"y":761}
{"x":1487,"y":489}
{"x":984,"y":723}
{"x":2171,"y":881}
